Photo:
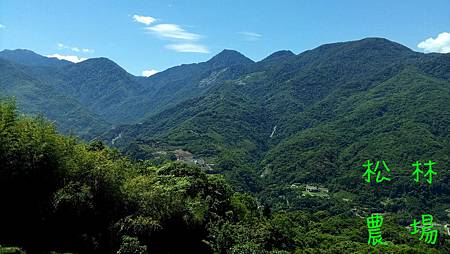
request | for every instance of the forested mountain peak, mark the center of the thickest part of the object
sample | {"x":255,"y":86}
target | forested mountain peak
{"x":279,"y":55}
{"x":229,"y":57}
{"x":370,"y":43}
{"x":374,"y":48}
{"x":379,"y":42}
{"x":100,"y":72}
{"x":30,"y":58}
{"x":99,"y":64}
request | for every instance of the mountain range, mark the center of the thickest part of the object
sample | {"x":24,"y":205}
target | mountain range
{"x":287,"y":120}
{"x":99,"y":92}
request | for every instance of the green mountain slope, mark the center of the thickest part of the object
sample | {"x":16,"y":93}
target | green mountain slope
{"x":37,"y":97}
{"x":314,"y":119}
{"x":101,"y":85}
{"x":178,"y":84}
{"x":401,"y":120}
{"x":107,"y":91}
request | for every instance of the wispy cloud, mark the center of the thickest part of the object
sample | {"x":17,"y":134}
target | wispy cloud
{"x":173,"y":31}
{"x":250,"y":36}
{"x":440,"y":44}
{"x":70,"y":58}
{"x":148,"y":73}
{"x":86,"y":50}
{"x":182,"y":40}
{"x":147,"y":20}
{"x":188,"y":47}
{"x":75,"y":49}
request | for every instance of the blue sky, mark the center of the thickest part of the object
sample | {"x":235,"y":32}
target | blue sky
{"x":156,"y":35}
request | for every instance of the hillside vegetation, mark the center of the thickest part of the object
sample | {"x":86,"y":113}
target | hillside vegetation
{"x":59,"y":194}
{"x":224,"y":156}
{"x":315,"y":118}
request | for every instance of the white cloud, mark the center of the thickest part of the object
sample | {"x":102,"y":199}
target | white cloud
{"x":75,"y":49}
{"x":173,"y":31}
{"x":250,"y":36}
{"x":148,"y":73}
{"x":87,"y":50}
{"x":182,"y":39}
{"x":2,"y":26}
{"x":73,"y":59}
{"x":188,"y":47}
{"x":440,"y":45}
{"x":144,"y":19}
